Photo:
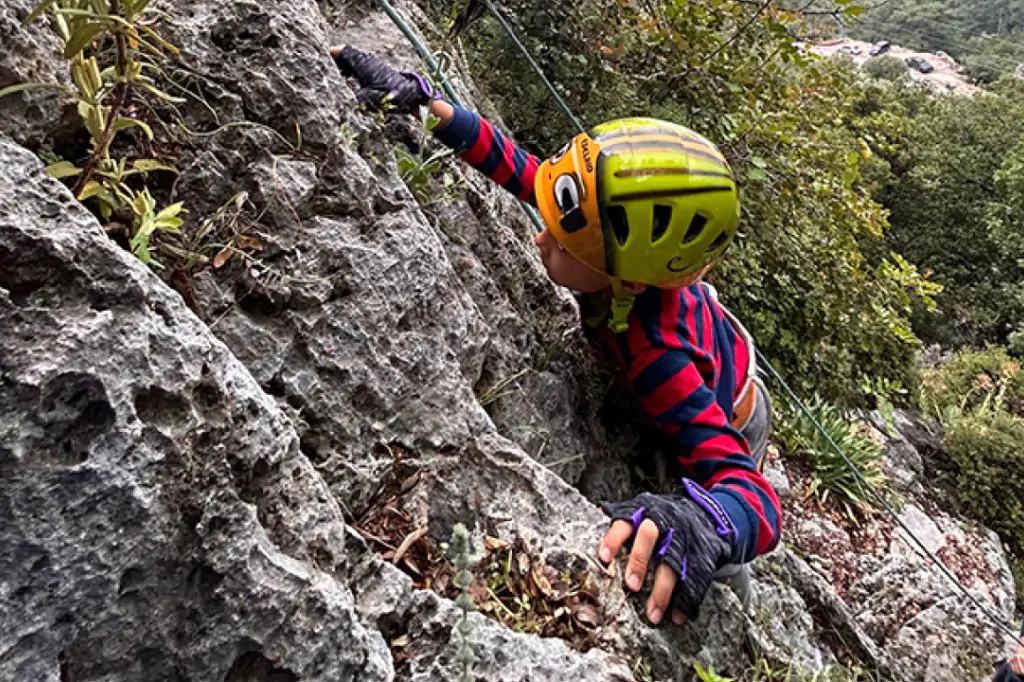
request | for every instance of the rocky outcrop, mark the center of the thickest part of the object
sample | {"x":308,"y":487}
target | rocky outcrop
{"x":908,"y":608}
{"x":159,"y":519}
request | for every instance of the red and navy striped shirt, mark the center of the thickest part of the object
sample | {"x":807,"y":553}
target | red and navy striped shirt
{"x":680,"y":354}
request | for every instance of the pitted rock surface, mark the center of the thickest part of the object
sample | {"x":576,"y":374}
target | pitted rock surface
{"x":178,"y":484}
{"x":32,"y":54}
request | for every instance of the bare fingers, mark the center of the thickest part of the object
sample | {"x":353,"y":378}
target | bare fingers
{"x":614,"y":539}
{"x":640,"y":557}
{"x":657,"y":604}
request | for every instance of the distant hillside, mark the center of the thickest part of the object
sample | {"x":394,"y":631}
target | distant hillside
{"x":986,"y":36}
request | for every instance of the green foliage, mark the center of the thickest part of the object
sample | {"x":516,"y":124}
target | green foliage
{"x":418,"y":170}
{"x":974,"y":382}
{"x":954,"y":186}
{"x":1017,"y":568}
{"x":886,"y":67}
{"x":113,"y":53}
{"x":709,"y":675}
{"x":809,"y":273}
{"x":149,"y":221}
{"x":979,"y":397}
{"x":831,"y":476}
{"x":462,"y":558}
{"x":986,"y":444}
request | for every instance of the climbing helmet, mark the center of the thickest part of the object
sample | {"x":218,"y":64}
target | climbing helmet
{"x":640,"y":200}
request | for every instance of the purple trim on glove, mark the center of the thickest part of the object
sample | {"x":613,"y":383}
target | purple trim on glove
{"x":663,"y":547}
{"x":428,"y":91}
{"x":638,"y":518}
{"x":685,"y":569}
{"x":711,"y":506}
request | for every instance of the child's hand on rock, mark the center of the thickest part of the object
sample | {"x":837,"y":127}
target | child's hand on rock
{"x":686,"y":538}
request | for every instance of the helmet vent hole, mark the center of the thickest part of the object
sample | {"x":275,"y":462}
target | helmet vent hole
{"x":662,"y":218}
{"x":719,"y":240}
{"x":696,"y":228}
{"x":619,"y":223}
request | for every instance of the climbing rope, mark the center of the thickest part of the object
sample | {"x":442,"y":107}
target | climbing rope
{"x":879,"y":499}
{"x":449,"y":91}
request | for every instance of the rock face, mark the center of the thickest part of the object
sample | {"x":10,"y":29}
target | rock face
{"x":184,"y":489}
{"x":32,"y":54}
{"x":159,"y":520}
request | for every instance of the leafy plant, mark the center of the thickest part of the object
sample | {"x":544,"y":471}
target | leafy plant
{"x":886,"y":67}
{"x":978,"y":396}
{"x":148,"y":221}
{"x":831,"y":476}
{"x":974,"y":382}
{"x":419,"y":169}
{"x":642,"y":670}
{"x":709,"y":675}
{"x":987,"y":447}
{"x":114,"y":54}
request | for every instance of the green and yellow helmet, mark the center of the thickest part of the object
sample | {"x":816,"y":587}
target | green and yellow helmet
{"x":640,"y":200}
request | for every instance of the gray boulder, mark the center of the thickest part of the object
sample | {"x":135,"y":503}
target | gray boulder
{"x":160,"y":522}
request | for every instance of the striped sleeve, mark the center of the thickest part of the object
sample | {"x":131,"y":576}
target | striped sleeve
{"x":482,"y":146}
{"x":673,"y":393}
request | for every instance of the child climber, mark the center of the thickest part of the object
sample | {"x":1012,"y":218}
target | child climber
{"x":636,"y":212}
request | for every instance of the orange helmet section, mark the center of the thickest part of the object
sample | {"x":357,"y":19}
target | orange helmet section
{"x":565,"y":189}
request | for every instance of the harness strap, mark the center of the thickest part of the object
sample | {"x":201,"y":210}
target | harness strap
{"x":745,"y":402}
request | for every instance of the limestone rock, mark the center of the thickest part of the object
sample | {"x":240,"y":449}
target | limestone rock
{"x":921,"y":527}
{"x":32,"y":54}
{"x":150,"y":485}
{"x":177,"y":492}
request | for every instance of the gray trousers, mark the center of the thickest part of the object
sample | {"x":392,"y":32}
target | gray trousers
{"x":737,"y":576}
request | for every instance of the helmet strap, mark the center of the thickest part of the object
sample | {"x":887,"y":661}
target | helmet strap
{"x":622,"y":303}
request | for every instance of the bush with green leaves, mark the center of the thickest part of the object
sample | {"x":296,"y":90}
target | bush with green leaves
{"x":886,"y":67}
{"x":114,"y":54}
{"x":809,"y":273}
{"x":974,"y":382}
{"x":978,"y":396}
{"x":988,"y":446}
{"x":831,"y":476}
{"x":954,"y":186}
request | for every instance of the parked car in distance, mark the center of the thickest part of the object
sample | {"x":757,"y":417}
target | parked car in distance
{"x":848,"y":49}
{"x":881,"y":47}
{"x":920,"y":64}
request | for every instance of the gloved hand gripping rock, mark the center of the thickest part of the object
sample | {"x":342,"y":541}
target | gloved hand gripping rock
{"x":695,"y":537}
{"x":405,"y":91}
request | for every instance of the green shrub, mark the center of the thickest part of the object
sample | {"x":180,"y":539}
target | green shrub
{"x":886,"y":67}
{"x":831,"y":476}
{"x":974,"y":382}
{"x":989,"y":448}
